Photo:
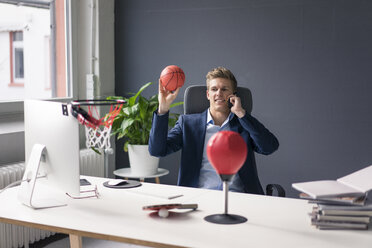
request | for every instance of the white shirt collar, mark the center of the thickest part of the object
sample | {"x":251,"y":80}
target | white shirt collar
{"x":210,"y":119}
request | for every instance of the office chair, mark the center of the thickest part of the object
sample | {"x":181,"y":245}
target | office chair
{"x":195,"y":101}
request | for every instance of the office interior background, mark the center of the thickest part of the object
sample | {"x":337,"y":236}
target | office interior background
{"x":307,"y":63}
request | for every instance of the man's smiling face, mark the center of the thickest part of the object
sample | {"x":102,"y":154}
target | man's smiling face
{"x":217,"y":93}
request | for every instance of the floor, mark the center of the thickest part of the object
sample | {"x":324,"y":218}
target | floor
{"x":62,"y":241}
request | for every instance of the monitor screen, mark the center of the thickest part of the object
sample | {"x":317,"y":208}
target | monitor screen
{"x":51,"y":126}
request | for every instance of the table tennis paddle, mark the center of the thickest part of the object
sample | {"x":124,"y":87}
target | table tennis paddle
{"x":170,"y":206}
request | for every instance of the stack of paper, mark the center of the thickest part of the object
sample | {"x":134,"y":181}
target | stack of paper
{"x":341,"y":204}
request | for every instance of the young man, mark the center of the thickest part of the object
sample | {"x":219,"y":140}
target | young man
{"x":192,"y":132}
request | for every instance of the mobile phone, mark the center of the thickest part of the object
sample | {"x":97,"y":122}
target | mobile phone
{"x":84,"y":182}
{"x":228,"y":101}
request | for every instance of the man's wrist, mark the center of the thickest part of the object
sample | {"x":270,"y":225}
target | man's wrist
{"x":162,"y":111}
{"x":240,"y":114}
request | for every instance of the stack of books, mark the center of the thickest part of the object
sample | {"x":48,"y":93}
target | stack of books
{"x":340,"y":212}
{"x":340,"y":204}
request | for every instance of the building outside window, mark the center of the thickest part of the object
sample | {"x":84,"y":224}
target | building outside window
{"x":32,"y":50}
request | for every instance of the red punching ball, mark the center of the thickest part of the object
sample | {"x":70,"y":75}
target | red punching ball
{"x":227,"y":151}
{"x":172,"y":77}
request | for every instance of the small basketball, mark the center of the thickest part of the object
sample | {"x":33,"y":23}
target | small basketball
{"x":172,"y":77}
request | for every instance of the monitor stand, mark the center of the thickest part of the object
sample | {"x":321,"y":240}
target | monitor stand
{"x":26,"y":193}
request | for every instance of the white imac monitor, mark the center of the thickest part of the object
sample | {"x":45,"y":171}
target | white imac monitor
{"x":52,"y":154}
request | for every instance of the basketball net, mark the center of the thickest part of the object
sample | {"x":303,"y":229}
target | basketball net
{"x":98,"y":136}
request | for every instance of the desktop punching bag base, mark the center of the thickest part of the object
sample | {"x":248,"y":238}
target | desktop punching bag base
{"x":226,"y":219}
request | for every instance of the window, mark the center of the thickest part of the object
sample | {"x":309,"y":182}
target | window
{"x":33,"y":64}
{"x":67,"y":45}
{"x":16,"y":57}
{"x":33,"y":61}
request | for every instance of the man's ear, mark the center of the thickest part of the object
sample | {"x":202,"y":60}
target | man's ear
{"x":207,"y":94}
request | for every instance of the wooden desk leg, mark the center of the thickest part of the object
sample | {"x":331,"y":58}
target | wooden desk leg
{"x":75,"y":241}
{"x":157,"y":180}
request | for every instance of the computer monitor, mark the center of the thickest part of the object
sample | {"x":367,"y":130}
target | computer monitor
{"x":52,"y":154}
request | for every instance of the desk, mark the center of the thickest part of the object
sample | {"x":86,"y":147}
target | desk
{"x":127,"y":173}
{"x":118,"y":216}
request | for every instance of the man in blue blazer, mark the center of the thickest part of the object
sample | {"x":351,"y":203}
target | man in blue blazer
{"x":192,"y":132}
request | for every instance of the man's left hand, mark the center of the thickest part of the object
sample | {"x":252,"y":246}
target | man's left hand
{"x":236,"y":108}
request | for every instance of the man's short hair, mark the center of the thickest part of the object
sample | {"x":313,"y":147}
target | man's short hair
{"x":221,"y":72}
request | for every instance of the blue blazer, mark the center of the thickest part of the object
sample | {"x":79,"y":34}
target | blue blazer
{"x":188,"y":134}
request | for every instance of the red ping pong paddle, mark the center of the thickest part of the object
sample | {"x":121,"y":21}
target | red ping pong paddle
{"x":170,"y":206}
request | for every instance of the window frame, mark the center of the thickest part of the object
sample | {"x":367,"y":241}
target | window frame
{"x":14,"y":81}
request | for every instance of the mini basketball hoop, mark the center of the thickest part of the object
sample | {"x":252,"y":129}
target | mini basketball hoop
{"x":97,"y":129}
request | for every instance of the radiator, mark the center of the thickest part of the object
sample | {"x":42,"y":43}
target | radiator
{"x":13,"y":236}
{"x":92,"y":163}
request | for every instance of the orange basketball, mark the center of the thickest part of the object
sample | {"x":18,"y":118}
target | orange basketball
{"x":172,"y":77}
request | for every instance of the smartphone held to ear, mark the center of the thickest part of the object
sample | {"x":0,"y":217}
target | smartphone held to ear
{"x":229,"y":102}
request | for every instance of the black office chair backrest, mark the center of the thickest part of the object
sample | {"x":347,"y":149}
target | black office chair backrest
{"x":195,"y":99}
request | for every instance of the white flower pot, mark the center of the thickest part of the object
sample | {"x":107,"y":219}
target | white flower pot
{"x":141,"y":162}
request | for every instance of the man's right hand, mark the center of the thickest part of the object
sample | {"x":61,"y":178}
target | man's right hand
{"x":165,"y":98}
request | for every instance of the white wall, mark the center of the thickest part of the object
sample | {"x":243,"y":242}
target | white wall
{"x":36,"y":47}
{"x":104,"y":52}
{"x":5,"y":66}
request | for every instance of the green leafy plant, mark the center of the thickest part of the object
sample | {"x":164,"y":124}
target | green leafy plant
{"x":134,"y":120}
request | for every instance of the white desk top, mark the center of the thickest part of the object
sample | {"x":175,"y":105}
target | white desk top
{"x":117,"y":215}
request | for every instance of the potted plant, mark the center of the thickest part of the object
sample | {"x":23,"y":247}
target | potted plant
{"x":134,"y":124}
